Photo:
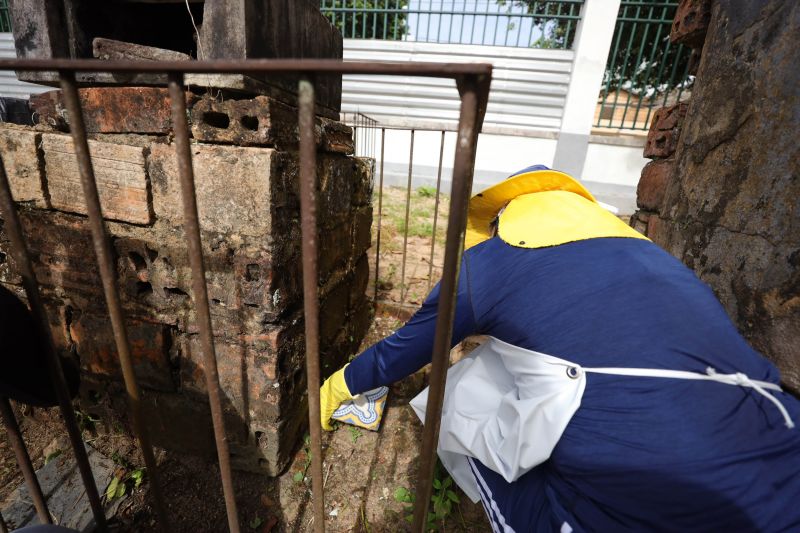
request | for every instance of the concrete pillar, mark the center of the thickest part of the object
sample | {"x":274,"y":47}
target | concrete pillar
{"x":592,"y":44}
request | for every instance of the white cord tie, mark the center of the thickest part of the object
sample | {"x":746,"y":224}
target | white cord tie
{"x":738,"y":379}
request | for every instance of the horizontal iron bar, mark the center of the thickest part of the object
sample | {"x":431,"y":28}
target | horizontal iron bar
{"x":362,"y":11}
{"x":252,"y":66}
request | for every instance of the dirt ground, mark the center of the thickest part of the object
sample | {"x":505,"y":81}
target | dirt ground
{"x":363,"y":472}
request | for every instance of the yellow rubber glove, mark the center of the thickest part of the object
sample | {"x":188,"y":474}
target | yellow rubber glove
{"x":332,"y":393}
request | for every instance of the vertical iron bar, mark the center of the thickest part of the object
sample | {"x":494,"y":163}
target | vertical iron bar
{"x":610,"y":69}
{"x":364,"y":16}
{"x":683,"y":79}
{"x":374,"y":23}
{"x":428,"y":28}
{"x":408,"y":212}
{"x":380,"y":215}
{"x":671,"y":82}
{"x":385,"y":19}
{"x":308,"y":221}
{"x":22,"y":257}
{"x":649,"y":66}
{"x":24,"y":460}
{"x":662,"y":64}
{"x":485,"y":22}
{"x":353,"y":15}
{"x":567,"y":42}
{"x":459,"y":200}
{"x":634,"y":27}
{"x":108,"y":275}
{"x":396,"y":18}
{"x":497,"y":16}
{"x":472,"y":25}
{"x":436,"y":211}
{"x":191,"y":224}
{"x":638,"y":63}
{"x":439,"y":31}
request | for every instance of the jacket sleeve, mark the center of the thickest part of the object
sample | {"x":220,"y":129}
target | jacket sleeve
{"x":410,"y":347}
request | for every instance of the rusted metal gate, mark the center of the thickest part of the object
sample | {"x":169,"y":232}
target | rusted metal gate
{"x":472,"y":81}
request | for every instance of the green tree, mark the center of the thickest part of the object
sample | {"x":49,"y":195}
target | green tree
{"x":641,"y":58}
{"x":362,"y":18}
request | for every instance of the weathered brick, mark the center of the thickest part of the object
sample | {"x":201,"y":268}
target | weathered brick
{"x":665,"y":128}
{"x":336,"y":137}
{"x":639,"y":221}
{"x":691,"y":21}
{"x":653,"y":184}
{"x":360,"y":281}
{"x":331,"y":310}
{"x":362,"y":231}
{"x":364,"y":181}
{"x":334,"y":249}
{"x":122,"y":109}
{"x":63,"y":254}
{"x":247,"y":373}
{"x":19,"y":149}
{"x":336,"y":187}
{"x":232,"y":185}
{"x":48,"y":110}
{"x":119,"y":172}
{"x":149,"y":341}
{"x":259,"y":121}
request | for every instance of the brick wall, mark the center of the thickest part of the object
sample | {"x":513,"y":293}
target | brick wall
{"x":246,"y":172}
{"x":723,"y":193}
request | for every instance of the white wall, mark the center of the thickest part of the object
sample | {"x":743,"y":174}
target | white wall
{"x":9,"y":85}
{"x":527,"y":93}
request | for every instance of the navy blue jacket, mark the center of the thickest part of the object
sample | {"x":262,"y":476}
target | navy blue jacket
{"x":640,"y":453}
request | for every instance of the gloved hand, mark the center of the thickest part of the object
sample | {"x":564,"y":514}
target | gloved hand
{"x":332,"y":393}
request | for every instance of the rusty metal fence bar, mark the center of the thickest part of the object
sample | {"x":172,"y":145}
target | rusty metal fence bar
{"x":403,"y":290}
{"x":107,"y":267}
{"x":308,"y":223}
{"x":380,"y":215}
{"x":22,"y":258}
{"x":24,"y":461}
{"x":436,"y":211}
{"x":473,"y":84}
{"x":473,"y":94}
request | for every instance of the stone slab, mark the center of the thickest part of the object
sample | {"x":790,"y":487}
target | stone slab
{"x":22,"y":162}
{"x":232,"y":185}
{"x":119,"y":172}
{"x":63,"y":489}
{"x":113,"y":49}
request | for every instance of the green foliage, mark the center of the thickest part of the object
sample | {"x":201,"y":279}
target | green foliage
{"x":125,"y":480}
{"x":52,"y":455}
{"x":86,"y":421}
{"x":365,"y":22}
{"x":355,"y":433}
{"x":300,"y":475}
{"x":425,"y":191}
{"x":649,"y":71}
{"x":256,"y":522}
{"x":442,"y":500}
